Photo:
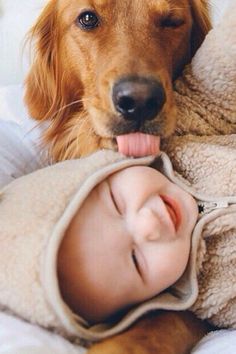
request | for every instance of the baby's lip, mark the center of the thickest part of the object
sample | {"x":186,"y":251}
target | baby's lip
{"x":173,"y":210}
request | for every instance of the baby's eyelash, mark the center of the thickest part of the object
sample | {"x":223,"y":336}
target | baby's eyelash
{"x":114,"y":201}
{"x":135,"y":261}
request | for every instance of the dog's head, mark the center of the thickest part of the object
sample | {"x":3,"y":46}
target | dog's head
{"x":104,"y":68}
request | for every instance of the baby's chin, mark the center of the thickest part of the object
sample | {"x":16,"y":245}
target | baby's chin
{"x":193,"y":213}
{"x":97,"y":316}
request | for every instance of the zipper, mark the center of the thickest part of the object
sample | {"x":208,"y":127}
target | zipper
{"x":207,"y":207}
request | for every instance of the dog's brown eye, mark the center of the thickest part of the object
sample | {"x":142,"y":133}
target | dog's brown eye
{"x":172,"y":22}
{"x":87,"y":20}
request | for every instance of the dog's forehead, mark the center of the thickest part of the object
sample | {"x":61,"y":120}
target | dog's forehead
{"x":119,"y":9}
{"x":158,"y":5}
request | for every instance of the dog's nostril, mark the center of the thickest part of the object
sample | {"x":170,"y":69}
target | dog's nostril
{"x":138,"y":98}
{"x":151,"y":104}
{"x":127,"y":104}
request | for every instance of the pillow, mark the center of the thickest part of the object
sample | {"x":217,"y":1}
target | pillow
{"x":16,"y":17}
{"x":20,"y":150}
{"x":19,"y":337}
{"x":217,"y":342}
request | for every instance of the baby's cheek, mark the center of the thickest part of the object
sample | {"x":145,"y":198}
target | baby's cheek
{"x":176,"y":264}
{"x":181,"y":258}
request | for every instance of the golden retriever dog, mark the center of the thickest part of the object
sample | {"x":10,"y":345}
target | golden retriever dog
{"x":102,"y":77}
{"x":103,"y":70}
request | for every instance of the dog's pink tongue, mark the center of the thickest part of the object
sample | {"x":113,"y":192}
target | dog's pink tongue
{"x":138,"y":144}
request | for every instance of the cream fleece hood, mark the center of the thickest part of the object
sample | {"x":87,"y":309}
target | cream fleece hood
{"x":35,"y":211}
{"x":40,"y":207}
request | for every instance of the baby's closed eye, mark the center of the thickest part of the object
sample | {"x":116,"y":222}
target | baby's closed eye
{"x":136,"y":262}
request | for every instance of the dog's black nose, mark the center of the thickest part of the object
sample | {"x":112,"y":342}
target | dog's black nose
{"x":138,"y":98}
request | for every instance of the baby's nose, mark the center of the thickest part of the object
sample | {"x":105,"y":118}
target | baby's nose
{"x":147,"y":226}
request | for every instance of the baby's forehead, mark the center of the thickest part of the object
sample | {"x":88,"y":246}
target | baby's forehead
{"x":138,"y":174}
{"x":135,"y":169}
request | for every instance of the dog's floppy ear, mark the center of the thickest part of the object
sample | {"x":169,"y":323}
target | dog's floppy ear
{"x":42,"y":80}
{"x":47,"y":94}
{"x":201,"y":22}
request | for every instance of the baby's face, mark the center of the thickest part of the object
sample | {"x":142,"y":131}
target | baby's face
{"x":129,"y":241}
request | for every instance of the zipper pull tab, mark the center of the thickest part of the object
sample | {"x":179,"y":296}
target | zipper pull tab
{"x":221,"y":204}
{"x":206,"y":207}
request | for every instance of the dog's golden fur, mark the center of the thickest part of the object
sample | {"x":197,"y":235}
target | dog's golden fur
{"x":73,"y":72}
{"x":164,"y":332}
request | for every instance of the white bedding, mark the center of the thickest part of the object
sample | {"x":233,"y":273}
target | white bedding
{"x":19,"y":337}
{"x":218,"y":342}
{"x":20,"y":152}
